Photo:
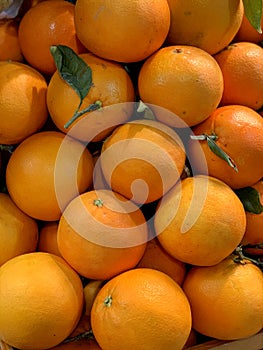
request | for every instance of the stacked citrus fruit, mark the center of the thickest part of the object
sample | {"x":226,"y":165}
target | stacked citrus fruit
{"x":131,"y":174}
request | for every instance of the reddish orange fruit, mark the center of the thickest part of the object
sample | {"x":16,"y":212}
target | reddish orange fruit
{"x":242,"y":66}
{"x":9,"y":45}
{"x":43,"y":25}
{"x":238,"y":131}
{"x":122,"y":31}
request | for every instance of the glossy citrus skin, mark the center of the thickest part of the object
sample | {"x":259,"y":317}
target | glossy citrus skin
{"x":122,"y":31}
{"x":44,"y":174}
{"x":18,"y":231}
{"x":242,"y":67}
{"x":155,"y":257}
{"x":227,"y":293}
{"x":177,"y":78}
{"x":248,"y":33}
{"x":23,"y":101}
{"x":143,"y":150}
{"x":111,"y":85}
{"x":41,"y":301}
{"x":209,"y":25}
{"x":45,"y":24}
{"x":239,"y":131}
{"x":104,"y":239}
{"x":254,"y":228}
{"x":141,"y":305}
{"x":9,"y":45}
{"x":200,"y":221}
{"x":47,"y":240}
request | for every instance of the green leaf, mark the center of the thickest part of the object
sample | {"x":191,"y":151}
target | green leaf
{"x":73,"y":69}
{"x":250,"y":199}
{"x":220,"y":153}
{"x":253,"y":12}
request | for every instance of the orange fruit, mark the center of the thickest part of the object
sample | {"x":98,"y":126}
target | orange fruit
{"x":239,"y":133}
{"x":111,"y":86}
{"x":141,"y":306}
{"x":18,"y":232}
{"x":254,"y":228}
{"x":242,"y":67}
{"x":200,"y":221}
{"x":210,"y":24}
{"x":9,"y":45}
{"x":101,"y":234}
{"x":46,"y":171}
{"x":41,"y":301}
{"x":155,"y":257}
{"x":43,"y":25}
{"x":121,"y":31}
{"x":22,"y":100}
{"x":90,"y":290}
{"x":47,"y":241}
{"x":228,"y":293}
{"x":248,"y":33}
{"x":142,"y":160}
{"x":177,"y":78}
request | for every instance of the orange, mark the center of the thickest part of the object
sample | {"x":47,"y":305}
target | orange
{"x":208,"y":24}
{"x":254,"y":228}
{"x":248,"y":33}
{"x":142,"y":160}
{"x":111,"y":86}
{"x":141,"y":308}
{"x":200,"y":221}
{"x":47,"y":241}
{"x":185,"y":80}
{"x":226,"y":299}
{"x":122,"y":31}
{"x":43,"y":25}
{"x":101,"y":234}
{"x":9,"y":45}
{"x":23,"y":102}
{"x":155,"y":257}
{"x":90,"y":290}
{"x":239,"y":133}
{"x":242,"y":67}
{"x":46,"y":171}
{"x":18,"y":232}
{"x":41,"y":301}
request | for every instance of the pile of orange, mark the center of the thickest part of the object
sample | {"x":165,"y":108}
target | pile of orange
{"x":131,"y":174}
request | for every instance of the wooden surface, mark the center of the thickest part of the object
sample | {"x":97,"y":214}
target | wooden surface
{"x":253,"y":343}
